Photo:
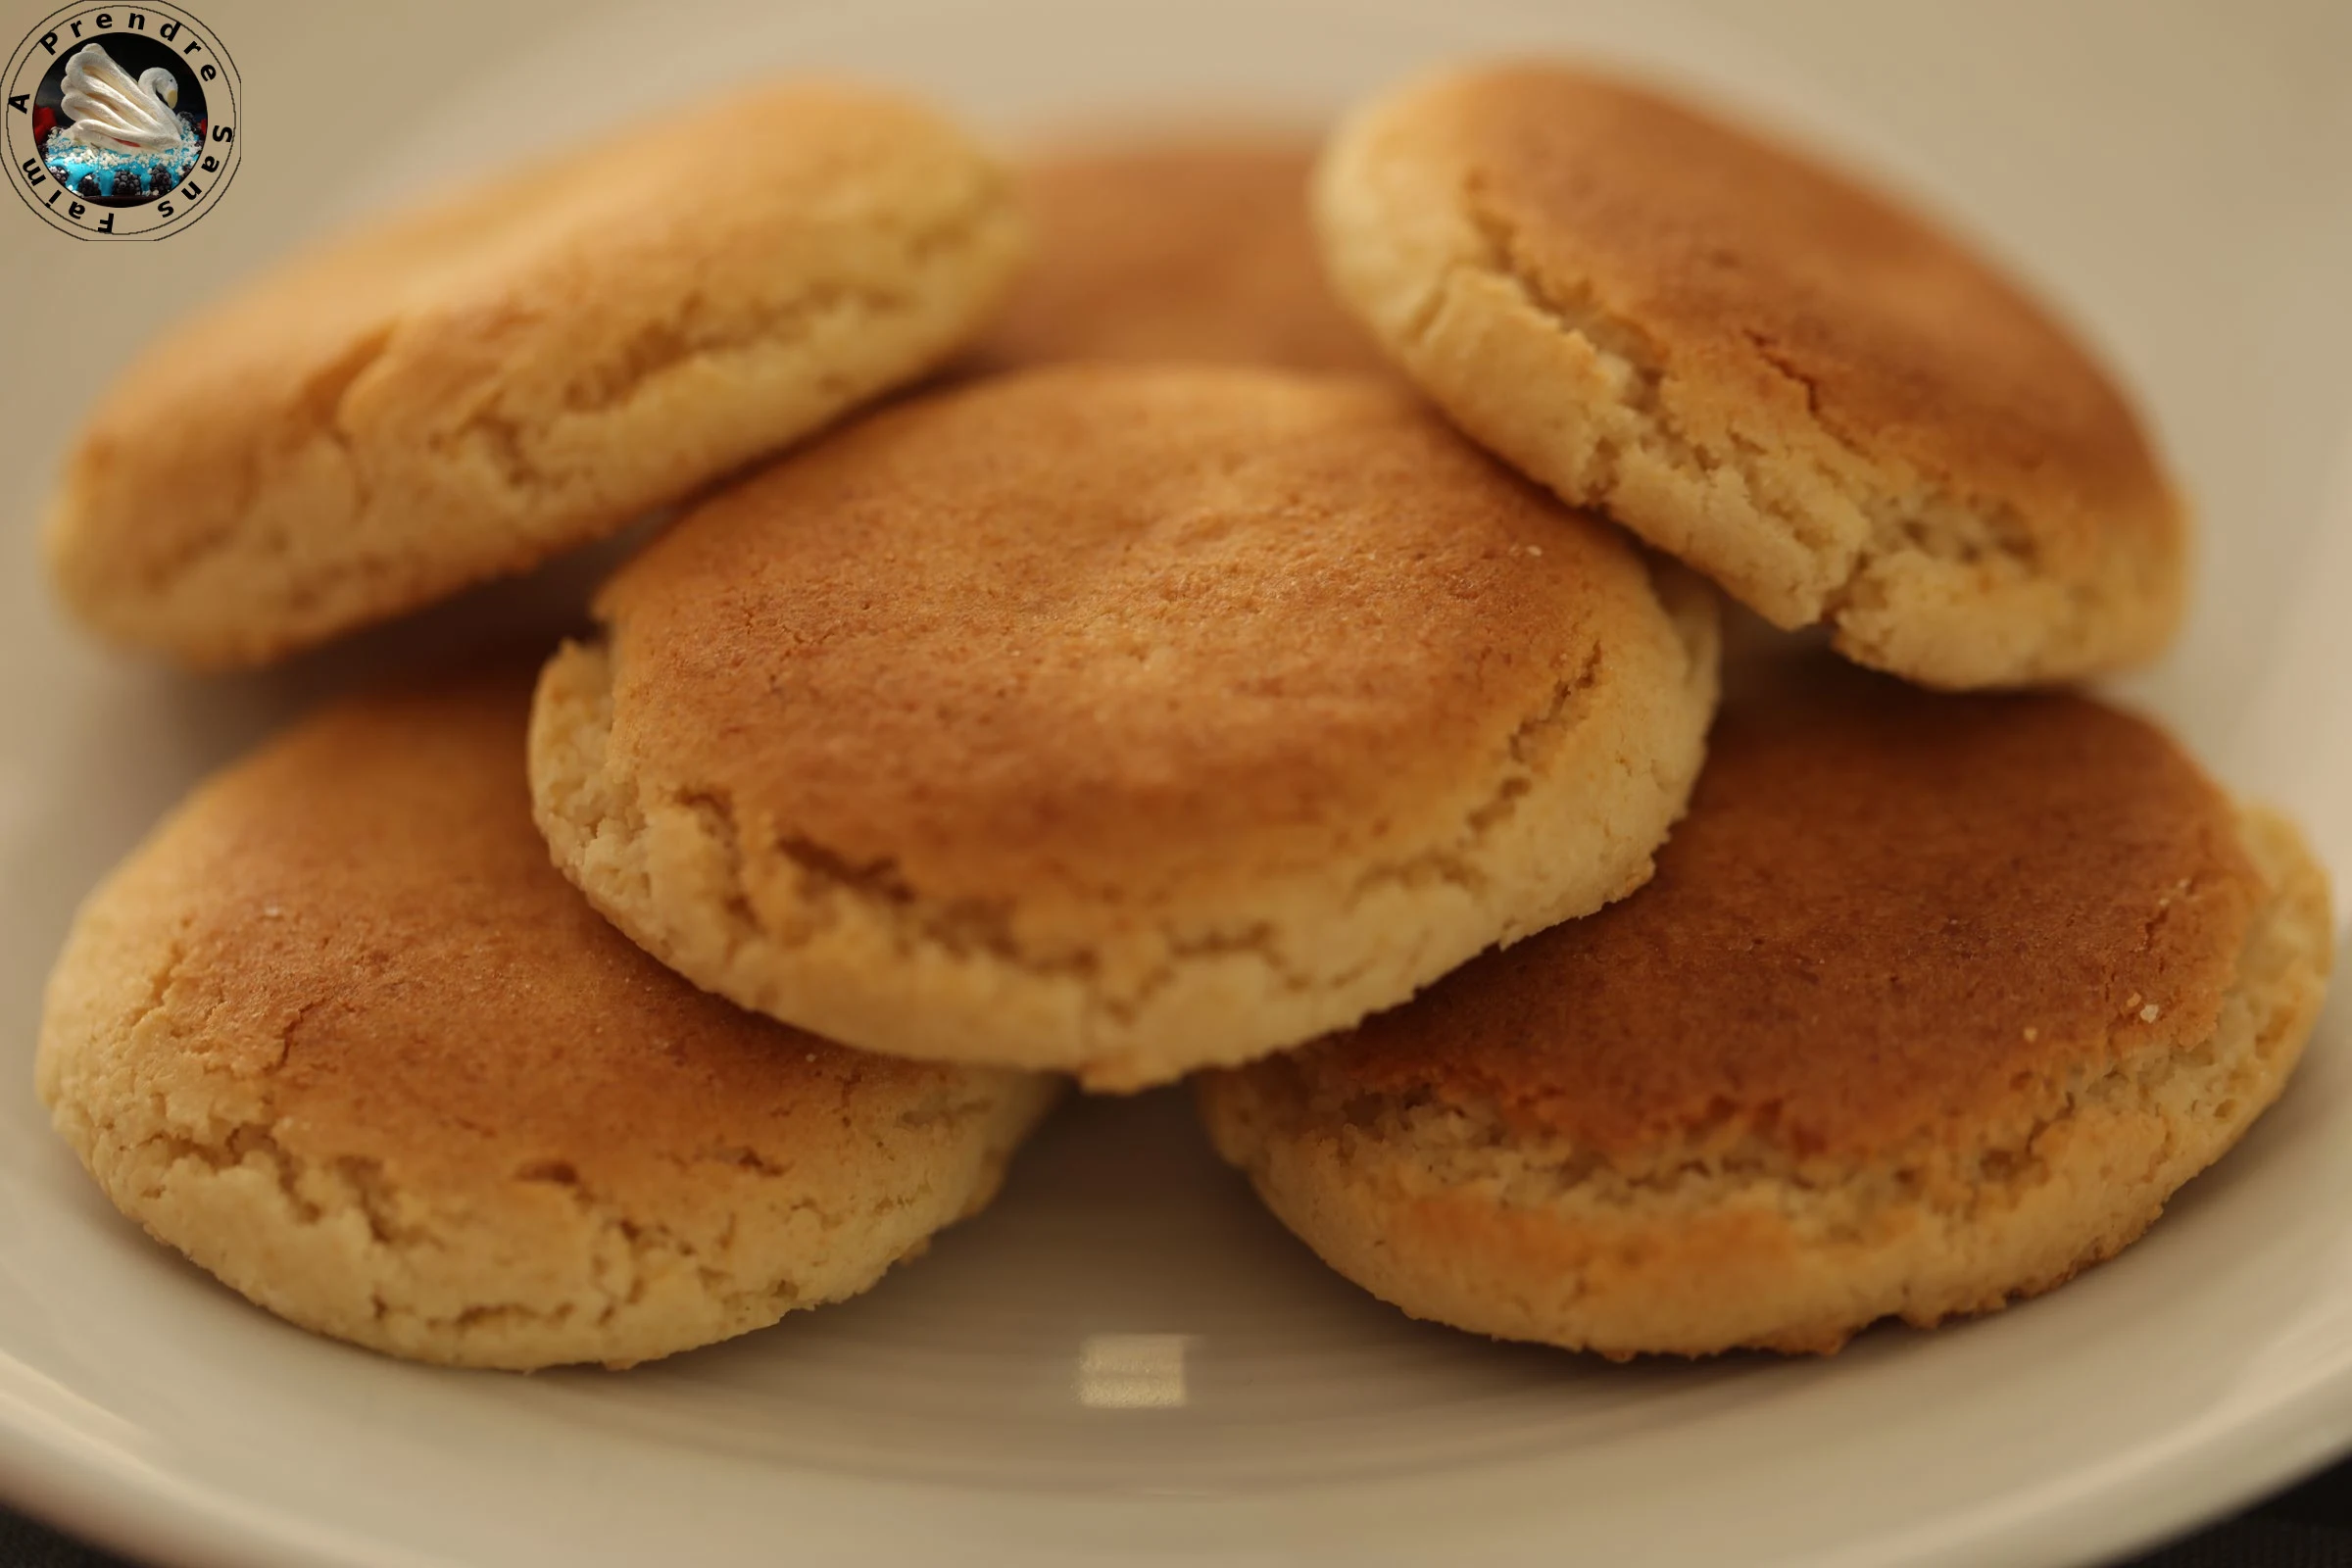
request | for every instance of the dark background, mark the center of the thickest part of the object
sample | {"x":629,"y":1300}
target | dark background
{"x":2308,"y":1527}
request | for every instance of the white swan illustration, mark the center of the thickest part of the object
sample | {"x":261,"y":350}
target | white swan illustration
{"x":111,"y":111}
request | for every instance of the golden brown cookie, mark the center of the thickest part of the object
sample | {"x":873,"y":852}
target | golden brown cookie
{"x":340,"y":1034}
{"x":1932,"y":1001}
{"x":1835,"y":410}
{"x":470,"y":387}
{"x":1180,"y":247}
{"x":1119,"y":719}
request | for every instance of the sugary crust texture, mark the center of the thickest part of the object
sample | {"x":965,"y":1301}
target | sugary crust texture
{"x":1830,"y":408}
{"x":1178,"y":247}
{"x":467,"y":389}
{"x":341,"y":1034}
{"x":1701,"y":1244}
{"x":1964,"y":895}
{"x":1120,"y":722}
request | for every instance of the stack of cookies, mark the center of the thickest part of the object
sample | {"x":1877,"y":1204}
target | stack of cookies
{"x":1274,"y":632}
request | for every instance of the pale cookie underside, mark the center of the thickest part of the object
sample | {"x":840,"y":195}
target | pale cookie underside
{"x":1949,"y":589}
{"x":1439,"y":1210}
{"x":357,"y":447}
{"x":1582,"y":796}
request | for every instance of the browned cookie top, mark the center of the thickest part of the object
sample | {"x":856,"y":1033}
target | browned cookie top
{"x":1087,"y":636}
{"x":1837,"y":410}
{"x":1888,"y":915}
{"x":1785,"y":281}
{"x":366,"y":918}
{"x":1183,"y":248}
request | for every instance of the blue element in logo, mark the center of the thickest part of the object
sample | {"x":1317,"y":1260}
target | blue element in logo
{"x":141,"y":174}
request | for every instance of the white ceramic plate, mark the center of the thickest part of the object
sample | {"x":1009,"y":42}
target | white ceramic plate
{"x":1125,"y":1360}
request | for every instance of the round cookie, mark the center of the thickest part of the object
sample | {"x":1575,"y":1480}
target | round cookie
{"x":473,"y":386}
{"x":1119,"y":719}
{"x":1834,"y":410}
{"x":1177,"y":248}
{"x":1932,"y":1003}
{"x":341,"y":1034}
